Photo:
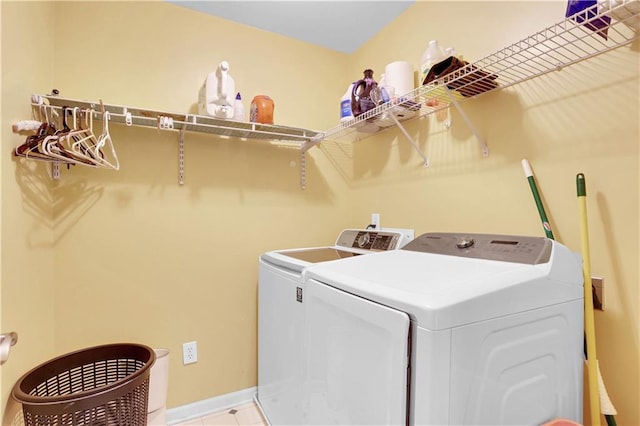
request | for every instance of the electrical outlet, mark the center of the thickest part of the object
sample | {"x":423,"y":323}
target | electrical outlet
{"x":189,"y":352}
{"x":375,"y":220}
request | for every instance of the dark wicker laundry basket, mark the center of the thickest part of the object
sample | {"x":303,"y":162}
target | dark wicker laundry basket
{"x":102,"y":385}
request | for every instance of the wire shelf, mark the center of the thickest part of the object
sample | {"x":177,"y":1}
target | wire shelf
{"x":189,"y":122}
{"x":280,"y":136}
{"x":570,"y":41}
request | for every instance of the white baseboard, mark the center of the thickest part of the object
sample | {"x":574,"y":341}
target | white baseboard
{"x":204,"y":407}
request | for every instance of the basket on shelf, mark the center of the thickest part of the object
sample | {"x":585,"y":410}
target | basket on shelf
{"x":101,"y":385}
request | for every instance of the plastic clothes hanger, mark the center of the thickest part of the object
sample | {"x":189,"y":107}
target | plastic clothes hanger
{"x":58,"y":145}
{"x":31,"y":144}
{"x":32,"y":140}
{"x":32,"y":147}
{"x":77,"y":134}
{"x":104,"y":141}
{"x":52,"y":146}
{"x":86,"y":141}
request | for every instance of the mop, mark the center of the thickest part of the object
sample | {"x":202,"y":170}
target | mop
{"x":598,"y":397}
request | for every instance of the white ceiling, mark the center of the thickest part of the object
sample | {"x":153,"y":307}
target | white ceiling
{"x":339,"y":25}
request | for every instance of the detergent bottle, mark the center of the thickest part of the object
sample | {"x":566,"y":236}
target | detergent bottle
{"x":345,"y":105}
{"x":431,"y":56}
{"x":261,"y":109}
{"x":217,"y":94}
{"x":361,"y":93}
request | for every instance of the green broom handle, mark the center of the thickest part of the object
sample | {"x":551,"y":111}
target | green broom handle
{"x":536,"y":196}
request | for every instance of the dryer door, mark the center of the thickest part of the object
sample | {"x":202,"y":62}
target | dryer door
{"x":357,"y":360}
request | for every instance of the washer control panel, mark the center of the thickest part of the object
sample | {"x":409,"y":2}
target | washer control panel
{"x":366,"y":239}
{"x":507,"y":248}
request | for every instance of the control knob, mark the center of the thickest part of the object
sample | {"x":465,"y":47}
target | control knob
{"x":363,"y":240}
{"x":465,"y":242}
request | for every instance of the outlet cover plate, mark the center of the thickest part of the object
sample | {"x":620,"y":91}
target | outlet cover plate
{"x":189,"y":352}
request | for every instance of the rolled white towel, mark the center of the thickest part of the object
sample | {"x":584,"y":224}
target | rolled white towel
{"x":26,"y":125}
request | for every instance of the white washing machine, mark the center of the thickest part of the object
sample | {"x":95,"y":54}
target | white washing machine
{"x":452,"y":329}
{"x":281,"y":316}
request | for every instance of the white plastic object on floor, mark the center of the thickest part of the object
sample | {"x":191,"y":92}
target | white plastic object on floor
{"x":158,"y":384}
{"x":158,"y":417}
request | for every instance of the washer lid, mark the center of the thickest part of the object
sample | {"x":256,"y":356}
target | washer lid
{"x":317,"y":255}
{"x":298,"y":259}
{"x":442,"y":291}
{"x":350,"y":242}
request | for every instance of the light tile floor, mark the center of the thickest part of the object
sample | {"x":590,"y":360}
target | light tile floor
{"x":243,"y":415}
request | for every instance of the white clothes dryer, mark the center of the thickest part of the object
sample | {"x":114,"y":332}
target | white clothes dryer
{"x":453,"y":329}
{"x":281,"y":316}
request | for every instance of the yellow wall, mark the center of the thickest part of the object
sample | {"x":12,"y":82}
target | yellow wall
{"x":27,"y":279}
{"x":134,"y":256}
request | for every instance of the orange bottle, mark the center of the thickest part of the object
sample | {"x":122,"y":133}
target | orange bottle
{"x":261,"y":110}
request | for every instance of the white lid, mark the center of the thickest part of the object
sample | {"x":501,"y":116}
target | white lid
{"x":442,"y":291}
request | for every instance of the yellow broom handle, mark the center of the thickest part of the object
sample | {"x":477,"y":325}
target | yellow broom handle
{"x":589,"y":323}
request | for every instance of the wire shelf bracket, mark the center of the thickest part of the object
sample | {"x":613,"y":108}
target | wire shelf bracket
{"x":467,"y":120}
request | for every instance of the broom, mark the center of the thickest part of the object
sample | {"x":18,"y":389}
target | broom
{"x":600,"y":402}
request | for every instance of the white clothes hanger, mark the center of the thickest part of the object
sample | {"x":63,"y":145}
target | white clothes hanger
{"x":58,"y":145}
{"x":34,"y":147}
{"x":104,"y":148}
{"x":78,"y":143}
{"x":84,"y":141}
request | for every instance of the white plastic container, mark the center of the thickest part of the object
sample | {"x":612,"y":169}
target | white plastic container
{"x":430,"y":57}
{"x":238,"y":108}
{"x":216,"y":96}
{"x":399,"y":75}
{"x":346,"y":113}
{"x":158,"y":417}
{"x":158,"y":386}
{"x":449,"y":51}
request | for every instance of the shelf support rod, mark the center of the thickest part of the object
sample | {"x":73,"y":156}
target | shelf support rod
{"x":467,"y":120}
{"x":55,"y":170}
{"x":303,"y":169}
{"x":409,"y":138}
{"x":181,"y":154}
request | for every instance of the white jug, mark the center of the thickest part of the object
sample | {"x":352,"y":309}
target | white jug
{"x":430,"y":57}
{"x":217,"y":94}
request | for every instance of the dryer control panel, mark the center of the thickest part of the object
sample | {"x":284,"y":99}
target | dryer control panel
{"x":506,"y":248}
{"x":369,"y":239}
